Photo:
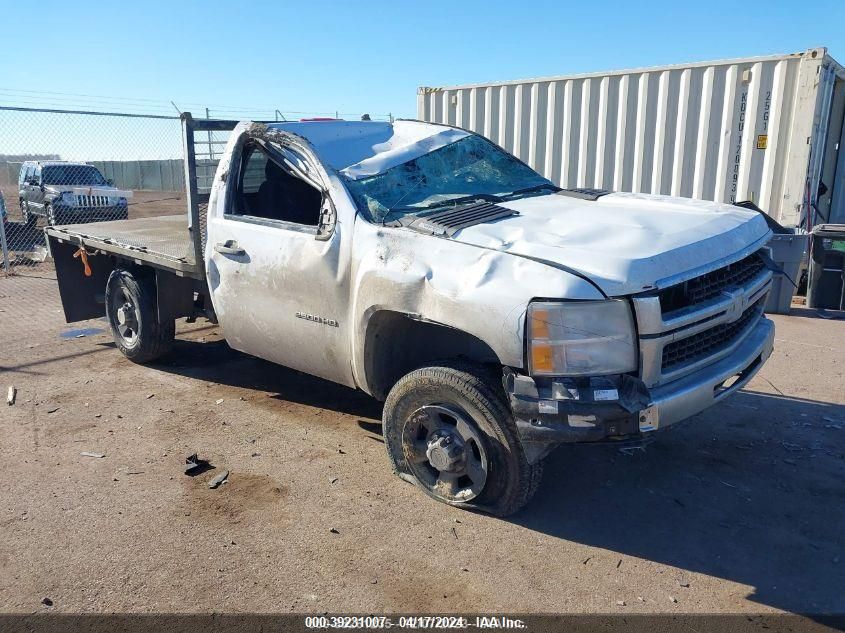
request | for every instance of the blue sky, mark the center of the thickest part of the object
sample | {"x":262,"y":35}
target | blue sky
{"x":365,"y":56}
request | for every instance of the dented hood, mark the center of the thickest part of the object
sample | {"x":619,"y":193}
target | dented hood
{"x":625,"y":243}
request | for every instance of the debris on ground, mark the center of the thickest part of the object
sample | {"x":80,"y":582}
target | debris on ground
{"x":630,"y":450}
{"x":196,"y":466}
{"x":90,"y":454}
{"x":222,"y":478}
{"x":333,"y":480}
{"x":334,"y":531}
{"x":53,"y":410}
{"x":150,"y":395}
{"x":620,"y":603}
{"x":673,"y":599}
{"x":220,"y":401}
{"x":683,"y":584}
{"x":47,"y":602}
{"x":10,"y":397}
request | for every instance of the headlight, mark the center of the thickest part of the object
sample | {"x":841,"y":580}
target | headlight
{"x":581,"y":338}
{"x":68,"y":198}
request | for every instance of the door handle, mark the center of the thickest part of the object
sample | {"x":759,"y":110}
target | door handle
{"x":229,"y":247}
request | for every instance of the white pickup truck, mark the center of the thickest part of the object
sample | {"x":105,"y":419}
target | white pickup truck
{"x":496,"y":314}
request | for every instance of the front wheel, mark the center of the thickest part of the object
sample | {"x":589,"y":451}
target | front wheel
{"x":448,"y":430}
{"x":53,"y":217}
{"x":132,"y":313}
{"x":29,"y":218}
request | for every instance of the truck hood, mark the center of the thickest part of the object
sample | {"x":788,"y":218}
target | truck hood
{"x":106,"y":190}
{"x":623,"y":242}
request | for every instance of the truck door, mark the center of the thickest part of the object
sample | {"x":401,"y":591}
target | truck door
{"x":279,"y":288}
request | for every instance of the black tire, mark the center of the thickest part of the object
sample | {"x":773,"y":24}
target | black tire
{"x":29,"y":218}
{"x":53,"y":218}
{"x":510,"y":481}
{"x":134,"y":293}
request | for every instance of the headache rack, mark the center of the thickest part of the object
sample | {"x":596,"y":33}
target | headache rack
{"x":173,"y":243}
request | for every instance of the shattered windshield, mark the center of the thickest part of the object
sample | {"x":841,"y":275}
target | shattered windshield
{"x":79,"y":175}
{"x":469,"y":169}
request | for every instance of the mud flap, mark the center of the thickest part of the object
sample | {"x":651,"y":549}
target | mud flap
{"x":83,"y":296}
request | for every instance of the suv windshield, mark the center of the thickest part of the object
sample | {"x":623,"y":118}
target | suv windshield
{"x":469,"y":169}
{"x":81,"y":175}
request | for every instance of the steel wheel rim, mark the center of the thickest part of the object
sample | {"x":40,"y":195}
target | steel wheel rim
{"x":444,"y":450}
{"x":125,"y":316}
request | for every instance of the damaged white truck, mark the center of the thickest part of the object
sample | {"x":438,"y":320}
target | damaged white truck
{"x":497,"y":315}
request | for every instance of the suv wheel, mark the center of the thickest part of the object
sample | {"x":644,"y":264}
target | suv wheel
{"x":53,"y":218}
{"x":29,"y":218}
{"x":448,"y":430}
{"x":132,"y":313}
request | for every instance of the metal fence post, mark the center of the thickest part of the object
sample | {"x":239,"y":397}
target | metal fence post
{"x":5,"y":245}
{"x":189,"y":156}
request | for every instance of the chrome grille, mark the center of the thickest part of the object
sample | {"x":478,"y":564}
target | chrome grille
{"x":678,"y":342}
{"x":710,"y":285}
{"x":709,"y":341}
{"x":92,"y":201}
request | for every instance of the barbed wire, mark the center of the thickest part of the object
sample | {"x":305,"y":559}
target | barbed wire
{"x":140,"y":105}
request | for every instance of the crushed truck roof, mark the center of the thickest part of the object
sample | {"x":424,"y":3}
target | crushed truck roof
{"x":359,"y":149}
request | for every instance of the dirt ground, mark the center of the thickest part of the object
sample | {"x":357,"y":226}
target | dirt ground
{"x":739,"y":510}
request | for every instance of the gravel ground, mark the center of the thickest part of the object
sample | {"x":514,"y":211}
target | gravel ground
{"x":739,"y":510}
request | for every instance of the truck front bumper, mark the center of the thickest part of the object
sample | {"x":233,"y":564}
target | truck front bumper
{"x":545,"y":420}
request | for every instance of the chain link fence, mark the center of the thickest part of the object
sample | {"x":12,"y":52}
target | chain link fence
{"x":63,"y":167}
{"x":77,"y":167}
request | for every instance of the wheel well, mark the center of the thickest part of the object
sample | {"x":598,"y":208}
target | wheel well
{"x":397,"y":343}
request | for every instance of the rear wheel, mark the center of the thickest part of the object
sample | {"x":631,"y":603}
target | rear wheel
{"x":448,"y":430}
{"x":132,"y":313}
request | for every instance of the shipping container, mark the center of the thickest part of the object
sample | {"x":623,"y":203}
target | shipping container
{"x":765,"y":129}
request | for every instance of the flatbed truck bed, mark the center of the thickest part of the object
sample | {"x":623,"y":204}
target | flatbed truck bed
{"x":163,"y":242}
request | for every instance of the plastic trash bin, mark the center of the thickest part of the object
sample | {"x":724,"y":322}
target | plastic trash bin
{"x":826,"y":285}
{"x":788,"y":248}
{"x":787,"y":252}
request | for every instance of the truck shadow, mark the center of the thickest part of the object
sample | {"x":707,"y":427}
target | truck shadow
{"x":750,"y":491}
{"x":215,"y":361}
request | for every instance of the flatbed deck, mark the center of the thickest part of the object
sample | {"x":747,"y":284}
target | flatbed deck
{"x":163,"y":242}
